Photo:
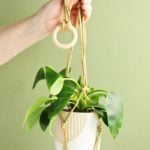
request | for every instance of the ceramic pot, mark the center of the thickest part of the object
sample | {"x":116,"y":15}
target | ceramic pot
{"x":81,"y":130}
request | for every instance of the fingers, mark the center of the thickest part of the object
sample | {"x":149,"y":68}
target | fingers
{"x":81,"y":1}
{"x":86,"y":8}
{"x":86,"y":1}
{"x":86,"y":11}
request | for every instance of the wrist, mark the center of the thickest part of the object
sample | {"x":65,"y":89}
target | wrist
{"x":50,"y":15}
{"x":37,"y":26}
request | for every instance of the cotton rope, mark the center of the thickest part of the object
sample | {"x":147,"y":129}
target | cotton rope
{"x":64,"y":26}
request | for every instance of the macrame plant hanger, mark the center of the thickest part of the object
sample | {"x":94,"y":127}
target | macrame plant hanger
{"x":66,"y":25}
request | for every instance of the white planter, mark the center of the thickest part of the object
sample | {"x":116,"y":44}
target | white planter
{"x":81,"y":131}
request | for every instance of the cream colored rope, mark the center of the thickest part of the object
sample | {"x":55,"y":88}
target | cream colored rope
{"x":64,"y":26}
{"x":67,"y":12}
{"x":63,"y":126}
{"x":83,"y":48}
{"x":65,"y":134}
{"x":98,"y":137}
{"x":68,"y":66}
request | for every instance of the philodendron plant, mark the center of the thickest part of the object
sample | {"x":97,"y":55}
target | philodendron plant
{"x":65,"y":94}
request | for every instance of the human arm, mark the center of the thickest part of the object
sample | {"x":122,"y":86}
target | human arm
{"x":17,"y":37}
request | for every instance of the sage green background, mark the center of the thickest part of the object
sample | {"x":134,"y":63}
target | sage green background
{"x":118,"y":59}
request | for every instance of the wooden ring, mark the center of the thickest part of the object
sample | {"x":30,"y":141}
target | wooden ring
{"x":68,"y":45}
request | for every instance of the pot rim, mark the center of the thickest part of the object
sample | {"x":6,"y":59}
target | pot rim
{"x":76,"y":112}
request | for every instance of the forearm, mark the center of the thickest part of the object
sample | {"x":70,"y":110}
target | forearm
{"x":17,"y":37}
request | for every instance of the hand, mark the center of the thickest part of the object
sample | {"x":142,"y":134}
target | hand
{"x":52,"y":13}
{"x":34,"y":28}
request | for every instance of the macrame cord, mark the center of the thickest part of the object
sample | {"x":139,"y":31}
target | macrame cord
{"x":64,"y":25}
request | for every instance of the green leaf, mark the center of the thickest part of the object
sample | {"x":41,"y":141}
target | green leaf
{"x":70,"y":87}
{"x":101,"y":112}
{"x":63,"y":72}
{"x":34,"y":112}
{"x":44,"y":120}
{"x":114,"y":109}
{"x":80,"y":80}
{"x":57,"y":86}
{"x":39,"y":76}
{"x":56,"y":107}
{"x":83,"y":105}
{"x":104,"y":118}
{"x":51,"y":112}
{"x":97,"y":93}
{"x":94,"y":96}
{"x":100,"y":107}
{"x":51,"y":76}
{"x":53,"y":79}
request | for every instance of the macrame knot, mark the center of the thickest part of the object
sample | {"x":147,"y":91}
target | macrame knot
{"x":67,"y":12}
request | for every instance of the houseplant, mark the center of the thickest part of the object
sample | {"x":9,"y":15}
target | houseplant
{"x":67,"y":94}
{"x":68,"y":98}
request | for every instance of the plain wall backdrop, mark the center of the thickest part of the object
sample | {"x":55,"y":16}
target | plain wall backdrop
{"x":118,"y":55}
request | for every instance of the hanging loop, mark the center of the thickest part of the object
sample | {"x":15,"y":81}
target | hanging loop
{"x":66,"y":25}
{"x":65,"y":45}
